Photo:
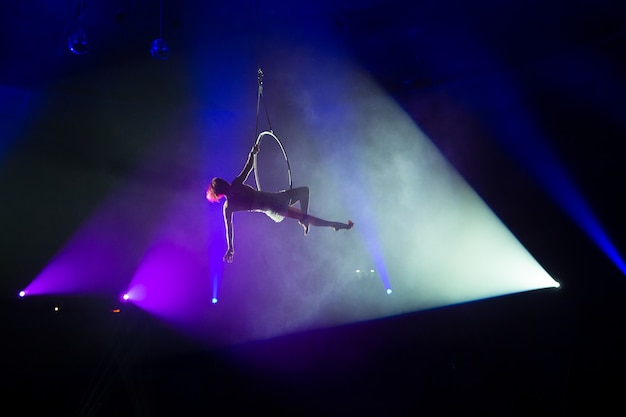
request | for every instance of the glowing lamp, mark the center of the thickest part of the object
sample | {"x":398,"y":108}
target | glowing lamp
{"x":159,"y":49}
{"x":77,"y":43}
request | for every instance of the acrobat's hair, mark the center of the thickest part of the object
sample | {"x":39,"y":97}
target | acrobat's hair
{"x":217,"y":189}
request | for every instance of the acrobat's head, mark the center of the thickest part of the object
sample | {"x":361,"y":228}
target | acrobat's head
{"x":219,"y":188}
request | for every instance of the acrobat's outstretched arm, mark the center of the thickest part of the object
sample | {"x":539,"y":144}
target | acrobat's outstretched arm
{"x":228,"y":224}
{"x":241,"y":178}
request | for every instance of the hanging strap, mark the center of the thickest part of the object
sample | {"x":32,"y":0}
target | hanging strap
{"x":268,"y":132}
{"x":258,"y":104}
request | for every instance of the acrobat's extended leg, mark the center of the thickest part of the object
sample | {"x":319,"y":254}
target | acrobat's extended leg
{"x":305,"y":220}
{"x":302,"y":195}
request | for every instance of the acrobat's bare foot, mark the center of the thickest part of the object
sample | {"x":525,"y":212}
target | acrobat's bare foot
{"x":346,"y":226}
{"x":305,"y":225}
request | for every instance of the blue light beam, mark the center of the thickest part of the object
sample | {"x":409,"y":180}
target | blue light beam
{"x":526,"y":143}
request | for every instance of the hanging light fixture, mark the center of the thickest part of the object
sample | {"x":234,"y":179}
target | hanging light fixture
{"x":159,"y":48}
{"x":78,"y":43}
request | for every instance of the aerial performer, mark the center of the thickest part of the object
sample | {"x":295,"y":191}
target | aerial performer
{"x":279,"y":205}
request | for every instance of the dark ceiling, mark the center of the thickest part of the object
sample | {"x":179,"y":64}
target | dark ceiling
{"x":568,"y":62}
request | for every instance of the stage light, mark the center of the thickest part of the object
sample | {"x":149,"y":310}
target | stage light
{"x":56,"y":309}
{"x":389,"y":291}
{"x":358,"y":271}
{"x":371,"y":271}
{"x":126,"y":297}
{"x":22,"y":293}
{"x":215,"y":285}
{"x":159,"y":49}
{"x":77,"y":42}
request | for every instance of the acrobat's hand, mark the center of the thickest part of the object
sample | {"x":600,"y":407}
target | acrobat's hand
{"x":228,"y":258}
{"x":255,"y":149}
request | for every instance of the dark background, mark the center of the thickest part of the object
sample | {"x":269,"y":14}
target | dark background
{"x":556,"y":351}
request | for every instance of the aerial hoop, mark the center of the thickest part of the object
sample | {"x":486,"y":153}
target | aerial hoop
{"x":282,"y":148}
